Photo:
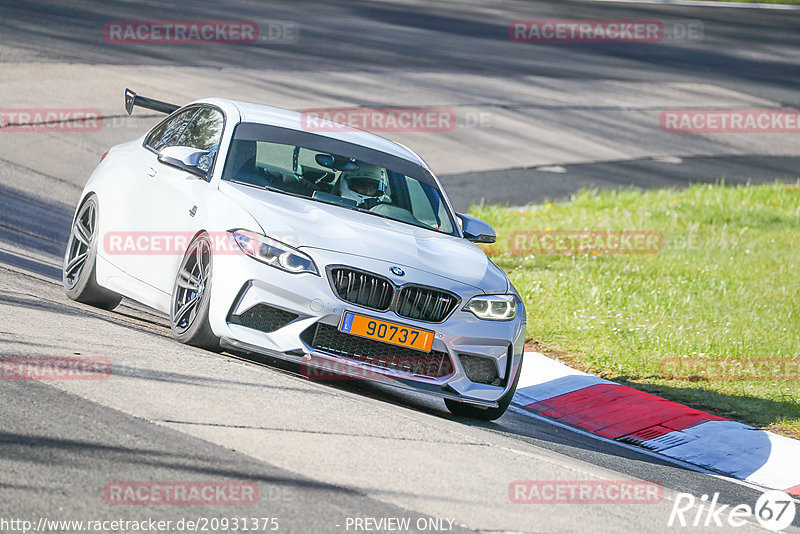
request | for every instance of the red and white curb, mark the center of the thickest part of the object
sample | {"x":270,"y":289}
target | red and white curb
{"x":552,"y":389}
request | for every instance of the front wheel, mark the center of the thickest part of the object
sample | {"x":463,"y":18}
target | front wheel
{"x":464,"y":409}
{"x":191,"y":295}
{"x":79,"y":274}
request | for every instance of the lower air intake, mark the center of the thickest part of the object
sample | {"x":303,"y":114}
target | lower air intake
{"x":327,"y":338}
{"x":480,"y":370}
{"x":264,"y":318}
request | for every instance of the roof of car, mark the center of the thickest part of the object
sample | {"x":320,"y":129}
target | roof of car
{"x":259,"y":113}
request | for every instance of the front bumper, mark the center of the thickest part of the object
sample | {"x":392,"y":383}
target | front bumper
{"x":241,"y":283}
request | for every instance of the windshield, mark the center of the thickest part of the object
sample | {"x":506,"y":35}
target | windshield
{"x":338,"y":178}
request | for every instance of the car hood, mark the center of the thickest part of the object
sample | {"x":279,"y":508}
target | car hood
{"x":306,"y":223}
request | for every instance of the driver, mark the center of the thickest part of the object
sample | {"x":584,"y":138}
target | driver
{"x":366,"y":185}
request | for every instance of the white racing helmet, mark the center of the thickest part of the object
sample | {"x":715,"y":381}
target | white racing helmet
{"x":366,"y":185}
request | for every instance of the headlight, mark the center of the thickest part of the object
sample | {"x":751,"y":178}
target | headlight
{"x":493,"y":307}
{"x":272,"y":252}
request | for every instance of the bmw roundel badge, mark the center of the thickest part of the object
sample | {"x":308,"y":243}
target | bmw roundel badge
{"x":397,"y":271}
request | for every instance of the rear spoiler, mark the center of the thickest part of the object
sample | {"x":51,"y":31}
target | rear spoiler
{"x":132,"y":99}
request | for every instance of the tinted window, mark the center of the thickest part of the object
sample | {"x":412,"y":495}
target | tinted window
{"x":167,"y":133}
{"x":204,"y":131}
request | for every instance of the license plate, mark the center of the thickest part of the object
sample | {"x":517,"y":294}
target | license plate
{"x":387,"y":332}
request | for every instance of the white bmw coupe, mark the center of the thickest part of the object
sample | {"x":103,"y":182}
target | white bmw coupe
{"x":337,"y":250}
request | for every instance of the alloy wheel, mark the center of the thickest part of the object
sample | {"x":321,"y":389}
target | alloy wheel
{"x":80,"y":244}
{"x":193,"y":278}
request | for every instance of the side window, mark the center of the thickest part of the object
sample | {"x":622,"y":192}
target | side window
{"x":420,"y":203}
{"x":204,"y":132}
{"x":274,"y":156}
{"x":166,"y":133}
{"x":428,"y":206}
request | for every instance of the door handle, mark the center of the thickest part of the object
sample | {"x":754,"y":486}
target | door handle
{"x":150,"y":171}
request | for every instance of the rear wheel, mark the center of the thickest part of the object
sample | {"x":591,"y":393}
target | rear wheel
{"x":79,"y":272}
{"x":464,"y":409}
{"x":191,"y":296}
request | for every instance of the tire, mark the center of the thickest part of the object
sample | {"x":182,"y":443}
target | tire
{"x":79,"y":273}
{"x":191,"y":295}
{"x":464,"y":409}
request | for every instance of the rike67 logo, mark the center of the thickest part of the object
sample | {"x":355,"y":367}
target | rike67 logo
{"x":774,"y":510}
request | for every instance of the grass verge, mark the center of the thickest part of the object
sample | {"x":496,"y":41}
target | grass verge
{"x":711,"y":321}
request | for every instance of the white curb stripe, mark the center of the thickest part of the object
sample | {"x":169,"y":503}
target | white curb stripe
{"x":544,"y":378}
{"x":783,"y":465}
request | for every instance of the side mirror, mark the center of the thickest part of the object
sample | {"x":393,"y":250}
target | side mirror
{"x":186,"y":158}
{"x":476,"y":230}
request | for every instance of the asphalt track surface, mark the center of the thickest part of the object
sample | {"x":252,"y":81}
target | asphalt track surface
{"x":325,"y":452}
